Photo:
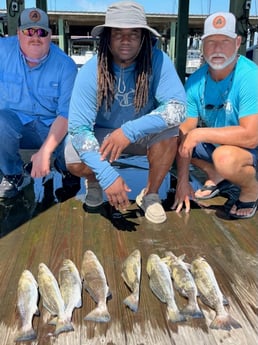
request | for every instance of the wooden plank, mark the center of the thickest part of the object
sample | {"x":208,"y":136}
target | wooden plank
{"x":66,"y":231}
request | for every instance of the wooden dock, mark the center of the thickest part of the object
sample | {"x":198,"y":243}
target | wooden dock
{"x":49,"y":232}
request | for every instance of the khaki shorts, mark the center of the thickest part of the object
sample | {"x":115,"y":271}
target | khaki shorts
{"x":139,"y":148}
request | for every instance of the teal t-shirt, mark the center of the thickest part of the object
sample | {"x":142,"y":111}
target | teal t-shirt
{"x":223,"y":103}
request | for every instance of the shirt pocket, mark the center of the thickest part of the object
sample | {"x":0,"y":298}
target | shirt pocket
{"x":49,"y":96}
{"x":11,"y":88}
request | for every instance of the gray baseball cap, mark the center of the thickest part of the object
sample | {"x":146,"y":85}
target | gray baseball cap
{"x":124,"y":15}
{"x":33,"y":18}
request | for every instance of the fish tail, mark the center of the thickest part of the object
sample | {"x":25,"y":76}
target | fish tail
{"x":175,"y":315}
{"x":99,"y":314}
{"x":63,"y":326}
{"x":132,"y":301}
{"x":27,"y":335}
{"x":193,"y":311}
{"x":225,"y":322}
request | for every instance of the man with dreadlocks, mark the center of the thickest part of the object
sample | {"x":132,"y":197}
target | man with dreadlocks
{"x":127,"y":99}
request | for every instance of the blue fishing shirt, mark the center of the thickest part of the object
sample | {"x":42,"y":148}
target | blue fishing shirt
{"x":41,"y":92}
{"x":165,"y":108}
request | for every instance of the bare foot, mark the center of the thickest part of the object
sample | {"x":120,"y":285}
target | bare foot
{"x":246,"y":206}
{"x":209,"y":190}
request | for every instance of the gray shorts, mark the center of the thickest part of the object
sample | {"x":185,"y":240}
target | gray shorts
{"x":139,"y":148}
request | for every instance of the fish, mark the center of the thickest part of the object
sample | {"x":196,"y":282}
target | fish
{"x":95,"y":283}
{"x":184,"y":283}
{"x":211,"y":295}
{"x":27,"y":303}
{"x":70,"y":287}
{"x":161,"y":285}
{"x":52,"y":299}
{"x":131,"y":274}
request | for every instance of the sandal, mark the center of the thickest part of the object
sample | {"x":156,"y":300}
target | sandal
{"x":214,"y":189}
{"x":241,"y":205}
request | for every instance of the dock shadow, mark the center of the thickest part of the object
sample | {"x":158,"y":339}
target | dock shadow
{"x":122,"y":221}
{"x":16,"y":211}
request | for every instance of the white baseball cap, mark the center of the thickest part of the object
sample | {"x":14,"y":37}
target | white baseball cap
{"x":220,"y":23}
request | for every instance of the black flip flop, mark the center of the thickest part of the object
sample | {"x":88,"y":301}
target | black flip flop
{"x":241,"y":204}
{"x":223,"y":188}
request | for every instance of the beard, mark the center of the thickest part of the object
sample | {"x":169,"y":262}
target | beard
{"x":220,"y":66}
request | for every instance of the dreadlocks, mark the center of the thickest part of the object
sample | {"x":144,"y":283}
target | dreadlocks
{"x":106,"y":78}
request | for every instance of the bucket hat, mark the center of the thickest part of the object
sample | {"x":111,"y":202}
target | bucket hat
{"x":124,"y":15}
{"x":33,"y":17}
{"x":220,"y":23}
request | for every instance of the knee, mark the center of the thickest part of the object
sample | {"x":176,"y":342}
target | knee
{"x":224,"y":158}
{"x":75,"y":169}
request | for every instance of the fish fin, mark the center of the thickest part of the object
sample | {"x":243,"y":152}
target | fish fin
{"x":175,"y":315}
{"x":99,"y":314}
{"x":132,"y":302}
{"x":156,"y":291}
{"x":37,"y":312}
{"x":182,"y":257}
{"x":225,"y":322}
{"x":192,"y":311}
{"x":27,"y":336}
{"x":63,"y":326}
{"x":53,"y":321}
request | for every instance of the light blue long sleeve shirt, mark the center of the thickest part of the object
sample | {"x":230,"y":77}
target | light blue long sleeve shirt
{"x":165,"y":108}
{"x":41,"y":92}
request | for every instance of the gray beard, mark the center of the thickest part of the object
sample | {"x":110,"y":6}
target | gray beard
{"x":226,"y":63}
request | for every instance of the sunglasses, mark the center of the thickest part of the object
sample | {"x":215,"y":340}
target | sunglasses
{"x":31,"y":32}
{"x":214,"y":107}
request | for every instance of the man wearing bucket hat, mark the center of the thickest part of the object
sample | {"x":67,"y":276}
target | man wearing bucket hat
{"x":222,"y":94}
{"x":127,"y":99}
{"x":36,"y":80}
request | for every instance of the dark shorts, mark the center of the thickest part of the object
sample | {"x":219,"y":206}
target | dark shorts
{"x":204,"y":151}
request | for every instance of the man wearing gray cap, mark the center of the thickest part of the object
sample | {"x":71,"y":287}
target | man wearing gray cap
{"x":223,"y":95}
{"x":36,"y":80}
{"x":127,"y":99}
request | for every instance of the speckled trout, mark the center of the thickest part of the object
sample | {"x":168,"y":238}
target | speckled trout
{"x":211,"y":294}
{"x":27,"y":303}
{"x":131,"y":274}
{"x":161,"y":285}
{"x":94,"y":281}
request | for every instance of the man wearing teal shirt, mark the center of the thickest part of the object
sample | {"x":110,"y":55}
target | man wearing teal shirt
{"x":220,"y":134}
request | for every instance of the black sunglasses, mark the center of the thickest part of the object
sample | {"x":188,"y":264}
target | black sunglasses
{"x":31,"y":32}
{"x":213,"y":107}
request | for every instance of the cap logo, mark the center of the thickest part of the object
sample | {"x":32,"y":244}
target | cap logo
{"x":35,"y":16}
{"x":219,"y":22}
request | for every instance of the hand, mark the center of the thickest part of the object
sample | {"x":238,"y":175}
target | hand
{"x":113,"y":145}
{"x":188,"y":144}
{"x":117,"y":194}
{"x":184,"y":193}
{"x":40,"y":164}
